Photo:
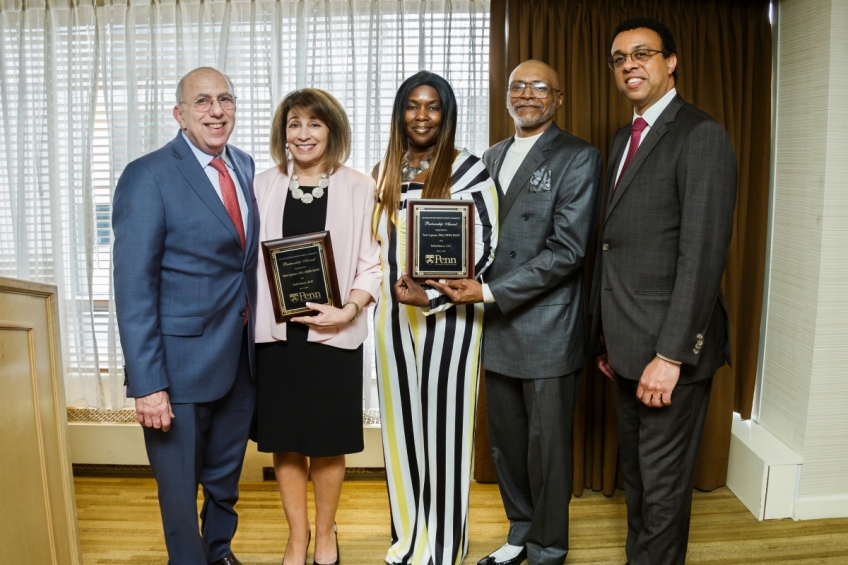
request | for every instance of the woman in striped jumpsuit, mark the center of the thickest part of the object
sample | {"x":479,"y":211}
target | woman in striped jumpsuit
{"x":428,"y":350}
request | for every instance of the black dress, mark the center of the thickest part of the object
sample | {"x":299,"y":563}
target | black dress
{"x":309,"y":395}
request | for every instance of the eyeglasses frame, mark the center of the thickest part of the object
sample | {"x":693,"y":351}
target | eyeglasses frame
{"x":530,"y":85}
{"x":651,"y":53}
{"x":199,"y":106}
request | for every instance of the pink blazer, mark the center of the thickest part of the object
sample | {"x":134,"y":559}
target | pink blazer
{"x":350,"y":206}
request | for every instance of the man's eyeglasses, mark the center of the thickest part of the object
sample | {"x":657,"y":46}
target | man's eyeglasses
{"x":538,"y":88}
{"x":202,"y":104}
{"x":617,"y":60}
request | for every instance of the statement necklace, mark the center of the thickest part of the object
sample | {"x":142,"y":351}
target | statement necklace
{"x":307,"y":197}
{"x":408,"y":172}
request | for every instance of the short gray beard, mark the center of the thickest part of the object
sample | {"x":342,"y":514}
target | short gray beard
{"x":530,"y":122}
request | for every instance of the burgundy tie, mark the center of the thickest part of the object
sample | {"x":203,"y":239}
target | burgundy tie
{"x":230,"y":198}
{"x":636,"y":130}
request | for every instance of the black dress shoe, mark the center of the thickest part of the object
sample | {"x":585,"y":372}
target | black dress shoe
{"x":338,"y":556}
{"x":517,"y":560}
{"x":228,"y":559}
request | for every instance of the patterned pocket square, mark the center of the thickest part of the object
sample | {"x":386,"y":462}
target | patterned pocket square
{"x":541,"y":180}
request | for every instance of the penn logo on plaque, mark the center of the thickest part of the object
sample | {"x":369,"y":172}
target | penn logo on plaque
{"x":440,"y":239}
{"x":300,"y":269}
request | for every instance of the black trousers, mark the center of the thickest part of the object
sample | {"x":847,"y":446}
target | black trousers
{"x":658,"y":449}
{"x":530,"y":429}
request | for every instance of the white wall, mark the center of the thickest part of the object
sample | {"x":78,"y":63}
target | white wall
{"x":804,"y":392}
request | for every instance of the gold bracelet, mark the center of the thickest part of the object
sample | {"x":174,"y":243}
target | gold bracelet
{"x":355,"y":305}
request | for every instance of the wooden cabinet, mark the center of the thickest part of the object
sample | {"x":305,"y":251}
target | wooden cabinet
{"x":38,"y":522}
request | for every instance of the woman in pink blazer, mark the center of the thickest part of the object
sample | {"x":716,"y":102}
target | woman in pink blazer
{"x":309,"y":406}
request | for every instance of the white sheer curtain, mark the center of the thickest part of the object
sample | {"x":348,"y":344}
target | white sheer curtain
{"x":48,"y":82}
{"x":67,"y":154}
{"x":360,"y":51}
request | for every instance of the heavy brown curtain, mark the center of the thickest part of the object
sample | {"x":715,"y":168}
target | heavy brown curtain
{"x":724,"y":68}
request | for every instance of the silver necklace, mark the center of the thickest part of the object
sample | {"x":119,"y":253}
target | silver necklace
{"x":409,"y":172}
{"x":307,"y":197}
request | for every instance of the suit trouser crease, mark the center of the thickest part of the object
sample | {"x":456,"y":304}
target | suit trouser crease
{"x":530,"y":430}
{"x":205,"y":445}
{"x":659,"y":448}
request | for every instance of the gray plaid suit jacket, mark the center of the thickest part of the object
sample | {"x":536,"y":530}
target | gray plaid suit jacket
{"x":665,"y":232}
{"x":535,"y":328}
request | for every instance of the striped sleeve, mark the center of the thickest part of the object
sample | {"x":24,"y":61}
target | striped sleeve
{"x":472,"y":182}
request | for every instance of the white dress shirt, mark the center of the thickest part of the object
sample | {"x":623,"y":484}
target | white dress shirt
{"x":515,"y":155}
{"x":212,"y":173}
{"x":650,"y":116}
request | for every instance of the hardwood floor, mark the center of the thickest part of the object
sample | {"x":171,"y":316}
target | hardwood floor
{"x":119,"y":525}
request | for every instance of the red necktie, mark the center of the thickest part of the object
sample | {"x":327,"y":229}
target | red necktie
{"x":636,"y":130}
{"x":230,"y":198}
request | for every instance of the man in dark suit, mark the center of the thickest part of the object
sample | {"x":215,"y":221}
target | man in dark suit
{"x":549,"y":191}
{"x":186,"y":225}
{"x":656,"y":298}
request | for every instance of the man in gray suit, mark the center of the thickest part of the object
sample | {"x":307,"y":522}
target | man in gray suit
{"x":659,"y":320}
{"x":549,"y":191}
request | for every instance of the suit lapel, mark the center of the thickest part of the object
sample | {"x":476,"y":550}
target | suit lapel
{"x":339,"y":205}
{"x":197,"y":179}
{"x":657,"y":131}
{"x":522,"y":176}
{"x":251,"y":221}
{"x":498,"y":152}
{"x":619,"y":144}
{"x":534,"y":158}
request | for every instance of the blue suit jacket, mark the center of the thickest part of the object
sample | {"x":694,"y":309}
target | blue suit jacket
{"x":181,"y":277}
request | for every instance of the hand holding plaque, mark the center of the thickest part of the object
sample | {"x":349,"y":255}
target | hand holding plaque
{"x":301,"y":269}
{"x":410,"y":292}
{"x":440,"y":239}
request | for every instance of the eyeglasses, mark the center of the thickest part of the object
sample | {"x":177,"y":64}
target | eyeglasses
{"x":617,"y":60}
{"x":202,"y":104}
{"x":538,"y":88}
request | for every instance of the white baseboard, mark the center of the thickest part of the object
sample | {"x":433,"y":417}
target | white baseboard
{"x":123,"y":444}
{"x":762,"y":471}
{"x":106,"y":444}
{"x":812,"y":507}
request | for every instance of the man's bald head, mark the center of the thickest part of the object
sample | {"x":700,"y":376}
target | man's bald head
{"x":532,"y":67}
{"x":533,"y":97}
{"x":201,"y":70}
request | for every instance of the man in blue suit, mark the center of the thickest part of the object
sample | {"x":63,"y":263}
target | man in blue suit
{"x":186,"y":227}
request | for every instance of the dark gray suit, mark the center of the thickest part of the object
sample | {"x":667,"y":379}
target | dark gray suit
{"x":534,"y":333}
{"x":657,"y":290}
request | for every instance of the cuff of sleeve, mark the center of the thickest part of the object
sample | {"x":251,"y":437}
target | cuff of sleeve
{"x":488,"y":298}
{"x":432,"y":294}
{"x":664,"y":358}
